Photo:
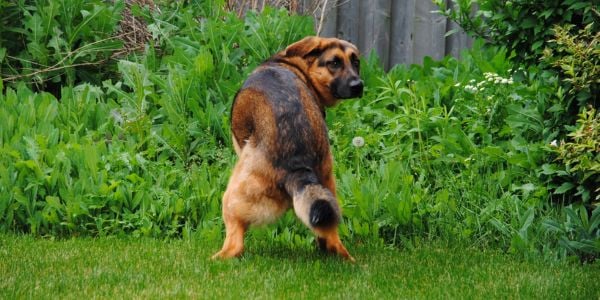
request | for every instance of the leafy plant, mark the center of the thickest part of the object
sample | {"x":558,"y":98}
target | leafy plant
{"x":576,"y":171}
{"x":47,"y":42}
{"x":523,"y":26}
{"x":578,"y":233}
{"x":577,"y":55}
{"x":558,"y":36}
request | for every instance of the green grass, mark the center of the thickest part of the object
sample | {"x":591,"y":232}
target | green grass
{"x":149,"y":268}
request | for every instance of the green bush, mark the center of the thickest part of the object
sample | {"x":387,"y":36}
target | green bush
{"x":553,"y":37}
{"x":576,"y":170}
{"x":577,"y":56}
{"x":557,"y":35}
{"x":525,"y":27}
{"x":576,"y":232}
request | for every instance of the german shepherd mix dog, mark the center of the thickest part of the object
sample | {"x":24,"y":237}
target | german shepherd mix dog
{"x":280,"y":136}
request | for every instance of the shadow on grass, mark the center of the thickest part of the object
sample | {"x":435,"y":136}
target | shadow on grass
{"x":288,"y":254}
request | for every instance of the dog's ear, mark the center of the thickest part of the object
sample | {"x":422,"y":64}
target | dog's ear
{"x":306,"y":48}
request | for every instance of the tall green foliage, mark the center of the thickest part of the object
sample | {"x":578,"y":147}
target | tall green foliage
{"x":558,"y":37}
{"x":141,"y":152}
{"x":47,"y":42}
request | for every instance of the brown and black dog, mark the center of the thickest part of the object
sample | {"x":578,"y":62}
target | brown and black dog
{"x":280,"y":136}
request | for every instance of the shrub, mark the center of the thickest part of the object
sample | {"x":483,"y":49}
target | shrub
{"x":577,"y":166}
{"x":525,"y":27}
{"x":452,"y":150}
{"x":577,"y":55}
{"x":576,"y":231}
{"x":557,"y":35}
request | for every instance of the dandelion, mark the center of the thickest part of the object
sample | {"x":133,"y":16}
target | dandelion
{"x":358,"y":141}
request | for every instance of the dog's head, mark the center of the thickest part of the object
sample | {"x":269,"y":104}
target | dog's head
{"x":332,"y":65}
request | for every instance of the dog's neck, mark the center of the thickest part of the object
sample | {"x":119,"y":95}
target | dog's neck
{"x":296,"y":66}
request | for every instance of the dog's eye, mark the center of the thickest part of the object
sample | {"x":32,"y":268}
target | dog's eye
{"x":334,"y":64}
{"x":356,"y":63}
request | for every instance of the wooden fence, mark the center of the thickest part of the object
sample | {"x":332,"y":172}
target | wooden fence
{"x":401,"y":31}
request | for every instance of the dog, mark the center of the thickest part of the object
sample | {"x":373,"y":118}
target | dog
{"x":280,"y":137}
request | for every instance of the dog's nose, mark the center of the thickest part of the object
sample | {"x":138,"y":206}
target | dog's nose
{"x":356,"y":86}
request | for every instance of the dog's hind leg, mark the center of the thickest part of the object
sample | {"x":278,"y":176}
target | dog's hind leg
{"x":329,"y":241}
{"x":235,"y":229}
{"x":248,"y":200}
{"x":234,"y":241}
{"x":319,"y":210}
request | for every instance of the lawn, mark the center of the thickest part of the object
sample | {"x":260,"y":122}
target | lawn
{"x":150,"y":268}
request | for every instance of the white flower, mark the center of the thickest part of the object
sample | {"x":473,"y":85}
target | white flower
{"x":470,"y":89}
{"x":504,"y":81}
{"x":457,"y":84}
{"x":358,"y":141}
{"x":554,"y":143}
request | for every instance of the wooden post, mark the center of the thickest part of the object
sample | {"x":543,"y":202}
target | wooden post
{"x":401,"y":45}
{"x":348,"y":21}
{"x":429,"y":32}
{"x":374,"y":32}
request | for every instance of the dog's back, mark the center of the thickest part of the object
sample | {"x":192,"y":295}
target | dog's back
{"x":284,"y":121}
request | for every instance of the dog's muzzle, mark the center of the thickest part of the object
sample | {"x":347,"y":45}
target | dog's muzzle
{"x":349,"y":88}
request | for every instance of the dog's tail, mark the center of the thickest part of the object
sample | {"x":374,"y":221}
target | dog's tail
{"x":314,"y":204}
